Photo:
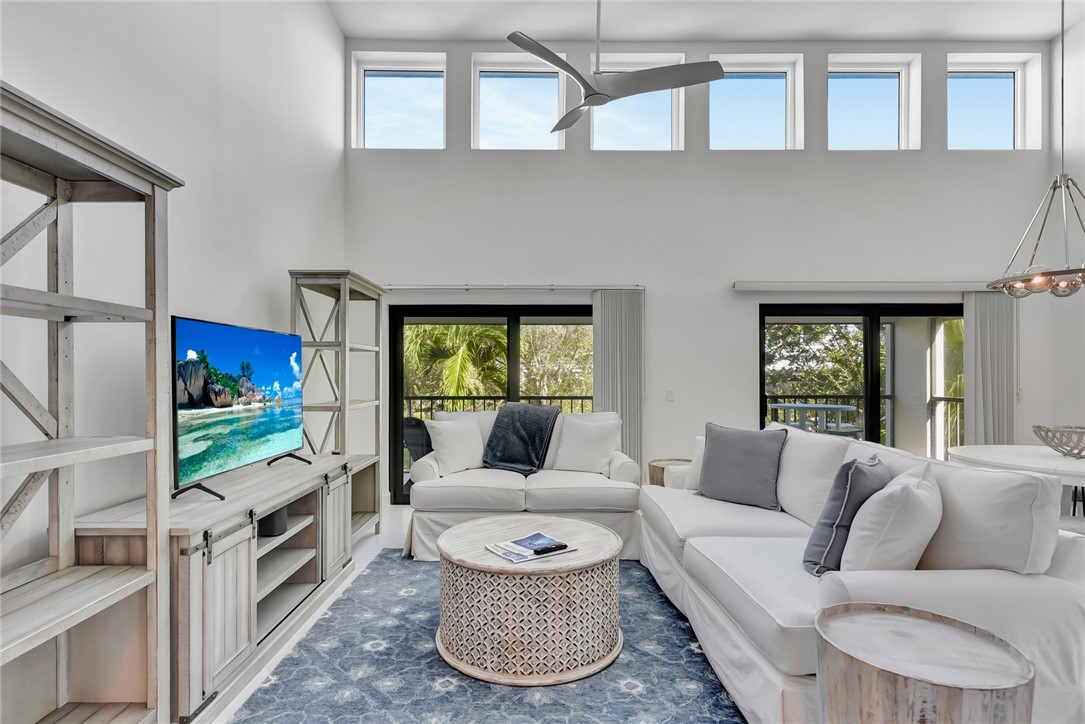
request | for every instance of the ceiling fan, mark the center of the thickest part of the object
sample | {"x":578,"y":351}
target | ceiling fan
{"x":612,"y":86}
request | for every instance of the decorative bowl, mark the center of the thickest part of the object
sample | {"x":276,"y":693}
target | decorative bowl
{"x":1066,"y":439}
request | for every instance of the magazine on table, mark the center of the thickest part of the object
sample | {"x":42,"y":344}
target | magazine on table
{"x":529,"y":548}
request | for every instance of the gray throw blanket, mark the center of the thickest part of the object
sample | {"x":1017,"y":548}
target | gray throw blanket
{"x":520,"y":437}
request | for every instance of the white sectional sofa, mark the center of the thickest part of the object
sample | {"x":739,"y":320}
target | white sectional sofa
{"x":440,"y":501}
{"x":736,"y":572}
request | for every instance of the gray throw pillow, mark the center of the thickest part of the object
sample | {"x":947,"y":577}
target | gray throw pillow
{"x":855,"y":481}
{"x":741,"y":466}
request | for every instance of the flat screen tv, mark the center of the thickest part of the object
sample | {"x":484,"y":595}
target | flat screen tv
{"x":236,"y":398}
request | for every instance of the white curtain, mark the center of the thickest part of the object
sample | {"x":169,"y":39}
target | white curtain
{"x":990,"y":367}
{"x":618,"y":367}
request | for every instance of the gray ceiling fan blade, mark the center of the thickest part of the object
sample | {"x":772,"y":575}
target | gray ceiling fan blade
{"x":549,"y":57}
{"x":570,"y":118}
{"x":666,"y":77}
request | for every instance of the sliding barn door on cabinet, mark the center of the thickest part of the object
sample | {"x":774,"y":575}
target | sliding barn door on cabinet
{"x":229,"y":615}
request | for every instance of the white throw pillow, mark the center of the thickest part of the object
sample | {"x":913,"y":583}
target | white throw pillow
{"x":894,"y":526}
{"x":1001,"y":519}
{"x":586,"y":446}
{"x":808,"y":465}
{"x":555,"y":436}
{"x":484,"y":419}
{"x":457,"y":444}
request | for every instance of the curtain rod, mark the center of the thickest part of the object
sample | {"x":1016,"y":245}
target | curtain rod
{"x":858,"y":286}
{"x":507,"y":287}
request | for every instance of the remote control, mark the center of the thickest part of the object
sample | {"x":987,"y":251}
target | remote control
{"x":551,"y":549}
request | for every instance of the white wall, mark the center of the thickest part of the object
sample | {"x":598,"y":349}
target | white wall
{"x":686,"y":224}
{"x":244,"y":102}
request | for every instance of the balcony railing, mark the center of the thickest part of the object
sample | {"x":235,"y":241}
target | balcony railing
{"x":947,"y":428}
{"x":423,"y":406}
{"x":847,"y":417}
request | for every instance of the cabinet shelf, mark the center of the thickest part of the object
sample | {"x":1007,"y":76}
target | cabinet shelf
{"x":294,"y":524}
{"x":277,"y":606}
{"x":361,"y":524}
{"x":30,"y":457}
{"x":120,"y":713}
{"x":277,"y":566}
{"x":333,"y":406}
{"x":36,"y":304}
{"x":40,"y":610}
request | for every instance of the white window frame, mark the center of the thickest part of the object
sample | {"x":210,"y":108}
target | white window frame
{"x":1027,"y":69}
{"x":910,"y":70}
{"x":626,"y":62}
{"x":791,"y":64}
{"x":363,"y":60}
{"x":511,"y":63}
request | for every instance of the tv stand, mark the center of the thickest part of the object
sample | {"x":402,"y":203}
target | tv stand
{"x":238,"y":598}
{"x":197,"y":486}
{"x":289,"y":455}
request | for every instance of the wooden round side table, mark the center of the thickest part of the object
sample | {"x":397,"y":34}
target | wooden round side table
{"x":535,"y":623}
{"x":658,"y":468}
{"x":884,"y":663}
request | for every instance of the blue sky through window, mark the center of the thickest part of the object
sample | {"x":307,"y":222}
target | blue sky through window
{"x":404,"y":109}
{"x":517,"y":109}
{"x":980,"y":110}
{"x":637,"y":123}
{"x":864,"y":111}
{"x":748,"y":111}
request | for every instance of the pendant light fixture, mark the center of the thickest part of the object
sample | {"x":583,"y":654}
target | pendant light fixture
{"x":1036,"y":278}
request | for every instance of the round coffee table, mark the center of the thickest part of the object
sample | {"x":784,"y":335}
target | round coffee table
{"x":535,"y":623}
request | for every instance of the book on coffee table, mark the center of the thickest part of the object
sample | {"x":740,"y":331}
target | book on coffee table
{"x":529,"y":548}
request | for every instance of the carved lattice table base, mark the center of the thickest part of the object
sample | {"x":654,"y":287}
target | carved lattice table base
{"x":535,"y":623}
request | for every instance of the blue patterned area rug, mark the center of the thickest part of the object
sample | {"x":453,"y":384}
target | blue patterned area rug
{"x":371,"y":658}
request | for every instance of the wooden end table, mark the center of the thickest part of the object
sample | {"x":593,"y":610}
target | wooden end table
{"x":535,"y":623}
{"x":657,"y":469}
{"x":884,"y":663}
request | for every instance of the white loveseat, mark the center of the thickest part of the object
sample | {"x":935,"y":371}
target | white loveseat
{"x":439,"y":501}
{"x":736,"y":572}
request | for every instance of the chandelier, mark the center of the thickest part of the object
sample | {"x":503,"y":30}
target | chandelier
{"x":1035,"y":278}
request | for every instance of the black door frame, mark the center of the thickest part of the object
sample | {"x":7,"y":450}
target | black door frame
{"x":872,"y":315}
{"x":512,"y":314}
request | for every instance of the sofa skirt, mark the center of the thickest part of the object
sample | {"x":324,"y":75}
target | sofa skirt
{"x":426,"y":526}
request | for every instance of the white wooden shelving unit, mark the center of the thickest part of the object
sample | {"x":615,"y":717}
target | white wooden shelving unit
{"x":55,"y":614}
{"x":332,"y":351}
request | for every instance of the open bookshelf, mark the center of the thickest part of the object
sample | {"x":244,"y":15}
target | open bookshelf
{"x":335,"y":352}
{"x":54,"y":613}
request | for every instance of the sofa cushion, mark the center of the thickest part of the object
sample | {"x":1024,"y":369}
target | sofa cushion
{"x":808,"y":465}
{"x":587,"y":446}
{"x":761,"y":584}
{"x":483,"y":418}
{"x":481,"y":489}
{"x":553,"y":491}
{"x":898,"y":461}
{"x":677,"y":515}
{"x":693,"y":474}
{"x":894,"y":526}
{"x":559,"y":425}
{"x":994,"y":519}
{"x":741,"y":466}
{"x":855,"y":482}
{"x":456,"y":444}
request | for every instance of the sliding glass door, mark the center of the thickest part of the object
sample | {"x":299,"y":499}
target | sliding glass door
{"x":889,"y":373}
{"x":471,"y":358}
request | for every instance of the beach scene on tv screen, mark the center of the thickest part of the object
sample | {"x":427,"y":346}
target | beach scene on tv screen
{"x":238,"y":397}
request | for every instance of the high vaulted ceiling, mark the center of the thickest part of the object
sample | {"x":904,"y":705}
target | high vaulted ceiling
{"x":705,"y":20}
